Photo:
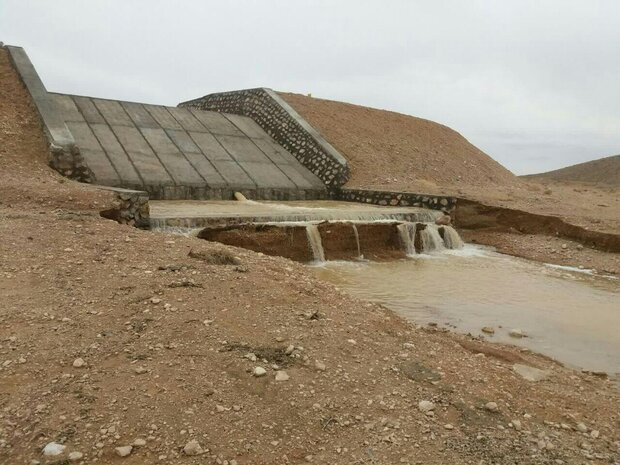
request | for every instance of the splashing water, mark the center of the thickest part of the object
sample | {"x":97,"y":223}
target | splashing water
{"x":314,"y":239}
{"x":431,"y":240}
{"x":406,"y":232}
{"x":451,"y":238}
{"x":357,"y":240}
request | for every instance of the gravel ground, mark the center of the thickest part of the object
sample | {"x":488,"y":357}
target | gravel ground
{"x":126,"y":346}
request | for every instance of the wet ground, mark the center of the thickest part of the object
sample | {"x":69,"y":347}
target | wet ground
{"x":567,"y":314}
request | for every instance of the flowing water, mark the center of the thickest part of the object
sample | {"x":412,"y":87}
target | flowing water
{"x":431,"y":239}
{"x":314,"y":239}
{"x":568,"y":315}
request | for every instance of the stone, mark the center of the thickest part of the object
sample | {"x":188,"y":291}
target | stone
{"x":530,"y":373}
{"x":79,"y":363}
{"x":516,"y":333}
{"x":488,"y":330}
{"x":282,"y":376}
{"x":582,"y":428}
{"x":123,"y":451}
{"x":140,"y":370}
{"x":289,"y":350}
{"x":259,"y":371}
{"x":594,"y":434}
{"x":192,"y":448}
{"x":491,"y":406}
{"x":75,"y":455}
{"x":53,"y":449}
{"x":448,"y":426}
{"x":251,"y":357}
{"x":320,"y":366}
{"x":139,"y":442}
{"x":426,"y":406}
{"x":155,"y":300}
{"x":516,"y":424}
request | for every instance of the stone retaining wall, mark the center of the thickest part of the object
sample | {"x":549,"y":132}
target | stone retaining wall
{"x":285,"y":125}
{"x":402,"y":199}
{"x":132,"y":207}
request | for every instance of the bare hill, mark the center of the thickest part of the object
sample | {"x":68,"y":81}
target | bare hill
{"x":388,"y":149}
{"x":604,"y":171}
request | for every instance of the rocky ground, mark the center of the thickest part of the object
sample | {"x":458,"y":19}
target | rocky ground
{"x":126,"y":346}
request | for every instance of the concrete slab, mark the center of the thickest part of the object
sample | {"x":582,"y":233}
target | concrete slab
{"x":139,"y":115}
{"x":173,"y":160}
{"x":216,"y":123}
{"x":183,"y":141}
{"x":209,"y":145}
{"x":67,"y":107}
{"x":132,"y":140}
{"x":186,"y":119}
{"x":206,"y":169}
{"x":88,"y":110}
{"x":113,"y":112}
{"x":117,"y":155}
{"x":99,"y":164}
{"x":247,"y":125}
{"x":84,"y":137}
{"x":233,"y":174}
{"x":242,"y":149}
{"x":151,"y":170}
{"x":267,"y":175}
{"x":163,"y":117}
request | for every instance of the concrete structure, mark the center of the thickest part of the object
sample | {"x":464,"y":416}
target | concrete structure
{"x":178,"y":153}
{"x":248,"y":141}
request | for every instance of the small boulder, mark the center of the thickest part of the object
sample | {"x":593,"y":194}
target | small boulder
{"x":123,"y":451}
{"x":426,"y":406}
{"x":192,"y":448}
{"x":259,"y":371}
{"x":75,"y":456}
{"x":516,"y":333}
{"x":79,"y":363}
{"x":491,"y":406}
{"x":282,"y":376}
{"x":53,"y":449}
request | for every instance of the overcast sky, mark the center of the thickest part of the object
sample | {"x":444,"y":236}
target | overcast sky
{"x":535,"y":84}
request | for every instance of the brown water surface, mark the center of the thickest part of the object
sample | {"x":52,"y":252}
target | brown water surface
{"x":571,"y":316}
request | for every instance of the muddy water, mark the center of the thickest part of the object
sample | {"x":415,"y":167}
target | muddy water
{"x":571,"y":316}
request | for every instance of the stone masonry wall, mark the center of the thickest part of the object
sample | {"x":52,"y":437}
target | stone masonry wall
{"x":132,"y":207}
{"x":402,"y":199}
{"x":283,"y":124}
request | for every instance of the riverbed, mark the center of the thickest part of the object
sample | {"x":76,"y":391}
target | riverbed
{"x":568,"y":314}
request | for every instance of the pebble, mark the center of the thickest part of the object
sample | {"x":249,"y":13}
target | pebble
{"x":448,"y":426}
{"x":251,"y":357}
{"x":192,"y":448}
{"x":488,"y":330}
{"x":516,"y":425}
{"x":74,"y":456}
{"x":139,"y":442}
{"x":289,"y":350}
{"x":140,"y":370}
{"x":594,"y":434}
{"x":491,"y":406}
{"x":582,"y":428}
{"x":516,"y":333}
{"x":259,"y":371}
{"x":320,"y":366}
{"x":79,"y":363}
{"x":282,"y":376}
{"x":155,"y":300}
{"x":426,"y":406}
{"x":123,"y":451}
{"x":52,"y":449}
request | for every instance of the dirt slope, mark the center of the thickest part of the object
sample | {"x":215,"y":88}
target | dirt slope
{"x":390,"y":149}
{"x":604,"y":172}
{"x":164,"y":335}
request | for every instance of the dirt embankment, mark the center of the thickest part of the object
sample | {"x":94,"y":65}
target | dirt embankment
{"x":603,"y":171}
{"x":391,"y":151}
{"x":113,"y":337}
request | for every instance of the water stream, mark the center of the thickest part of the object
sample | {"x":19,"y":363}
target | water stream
{"x":569,"y":315}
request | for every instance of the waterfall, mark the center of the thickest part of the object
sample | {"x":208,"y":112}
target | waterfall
{"x":451,"y":238}
{"x":431,"y":240}
{"x":406,"y":232}
{"x":314,"y":239}
{"x":357,"y":240}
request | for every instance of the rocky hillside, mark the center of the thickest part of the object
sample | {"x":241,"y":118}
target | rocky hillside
{"x":391,"y":150}
{"x":602,"y":172}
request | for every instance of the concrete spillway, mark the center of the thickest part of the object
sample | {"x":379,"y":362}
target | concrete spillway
{"x":309,"y":231}
{"x":181,"y":153}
